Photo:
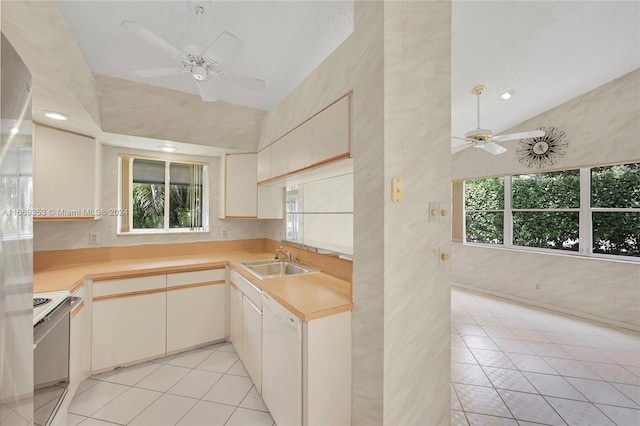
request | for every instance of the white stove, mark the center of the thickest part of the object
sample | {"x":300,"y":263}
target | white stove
{"x":49,"y":301}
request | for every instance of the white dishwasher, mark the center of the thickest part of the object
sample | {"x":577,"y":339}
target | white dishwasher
{"x":281,"y":363}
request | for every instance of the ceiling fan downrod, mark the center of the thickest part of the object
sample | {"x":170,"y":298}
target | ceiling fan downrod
{"x":478,"y":91}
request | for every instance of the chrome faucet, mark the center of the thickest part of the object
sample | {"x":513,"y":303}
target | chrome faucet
{"x":286,"y":253}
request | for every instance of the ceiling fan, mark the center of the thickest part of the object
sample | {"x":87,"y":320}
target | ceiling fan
{"x":204,"y":64}
{"x":484,"y":138}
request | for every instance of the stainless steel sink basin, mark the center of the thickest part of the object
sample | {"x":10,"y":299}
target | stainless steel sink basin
{"x":272,"y":268}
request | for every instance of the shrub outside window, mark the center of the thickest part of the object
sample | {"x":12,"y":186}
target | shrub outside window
{"x":484,"y":210}
{"x":615,"y":209}
{"x":546,"y":209}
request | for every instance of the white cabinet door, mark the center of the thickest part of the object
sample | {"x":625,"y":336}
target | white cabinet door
{"x":252,"y":341}
{"x":235,"y":319}
{"x":64,"y":176}
{"x":271,"y":202}
{"x":195,"y":315}
{"x":128,"y":328}
{"x":240,"y":186}
{"x":331,"y":131}
{"x":280,"y":157}
{"x":128,"y":320}
{"x":299,"y":147}
{"x":264,"y":164}
{"x":195,"y":308}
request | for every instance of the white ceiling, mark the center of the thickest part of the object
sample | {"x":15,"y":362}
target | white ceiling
{"x":284,"y":40}
{"x":548,"y":52}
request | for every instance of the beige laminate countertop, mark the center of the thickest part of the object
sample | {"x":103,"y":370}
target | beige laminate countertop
{"x":307,"y":296}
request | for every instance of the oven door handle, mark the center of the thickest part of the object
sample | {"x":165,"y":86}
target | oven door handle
{"x":54,"y":317}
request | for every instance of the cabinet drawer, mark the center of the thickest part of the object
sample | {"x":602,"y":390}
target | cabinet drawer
{"x":196,"y":277}
{"x":248,"y":288}
{"x":128,"y":285}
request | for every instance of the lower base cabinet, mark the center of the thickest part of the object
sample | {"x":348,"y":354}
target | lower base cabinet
{"x":245,"y":328}
{"x":235,"y":318}
{"x":252,"y":341}
{"x":195,"y":308}
{"x":135,"y":319}
{"x":128,"y":328}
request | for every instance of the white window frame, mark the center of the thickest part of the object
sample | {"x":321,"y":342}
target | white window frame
{"x":585,"y":212}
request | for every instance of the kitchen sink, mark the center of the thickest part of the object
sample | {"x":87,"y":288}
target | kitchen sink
{"x":273,"y":268}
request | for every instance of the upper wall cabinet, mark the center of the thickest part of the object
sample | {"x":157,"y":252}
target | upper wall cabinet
{"x":330,"y":131}
{"x":323,"y":138}
{"x":239,"y":193}
{"x":264,"y":164}
{"x":66,"y":175}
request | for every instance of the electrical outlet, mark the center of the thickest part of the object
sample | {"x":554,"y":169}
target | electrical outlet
{"x":94,"y":238}
{"x":223,"y":234}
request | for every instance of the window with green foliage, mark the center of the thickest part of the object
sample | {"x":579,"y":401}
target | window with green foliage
{"x":163,"y":195}
{"x":545,"y":209}
{"x":615,"y":209}
{"x":484,"y":210}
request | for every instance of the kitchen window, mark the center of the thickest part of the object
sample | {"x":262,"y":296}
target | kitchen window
{"x":320,"y":214}
{"x":162,"y":195}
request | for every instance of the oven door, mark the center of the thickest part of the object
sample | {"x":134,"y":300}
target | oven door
{"x":51,"y":361}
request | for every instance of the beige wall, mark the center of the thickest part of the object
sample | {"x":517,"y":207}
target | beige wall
{"x":602,"y":127}
{"x":131,"y":108}
{"x":73,"y":235}
{"x":397,"y":62}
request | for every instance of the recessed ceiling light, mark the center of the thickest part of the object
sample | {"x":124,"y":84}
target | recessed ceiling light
{"x":506,"y":95}
{"x":14,"y":130}
{"x":56,"y":116}
{"x":167,"y":148}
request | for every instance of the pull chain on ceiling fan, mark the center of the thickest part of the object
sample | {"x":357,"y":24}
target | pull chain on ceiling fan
{"x":484,"y":138}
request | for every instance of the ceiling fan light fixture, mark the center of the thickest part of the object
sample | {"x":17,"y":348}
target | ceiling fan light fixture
{"x":199,"y":73}
{"x":15,"y":130}
{"x":507,"y":95}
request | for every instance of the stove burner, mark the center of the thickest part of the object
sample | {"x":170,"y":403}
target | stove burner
{"x":39,"y":301}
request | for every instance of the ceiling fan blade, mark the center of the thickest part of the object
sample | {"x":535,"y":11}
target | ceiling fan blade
{"x":249,"y":83}
{"x":157,"y":72}
{"x":523,"y":135}
{"x":224,"y":47}
{"x":207,"y":91}
{"x":493,"y":148}
{"x":456,"y":149}
{"x":459,"y":138}
{"x":151,"y":37}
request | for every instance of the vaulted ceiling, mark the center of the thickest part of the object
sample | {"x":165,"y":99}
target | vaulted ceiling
{"x":546,"y":52}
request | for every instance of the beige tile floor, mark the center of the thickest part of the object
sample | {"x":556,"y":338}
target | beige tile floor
{"x":207,"y":386}
{"x":511,"y":364}
{"x":516,"y":364}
